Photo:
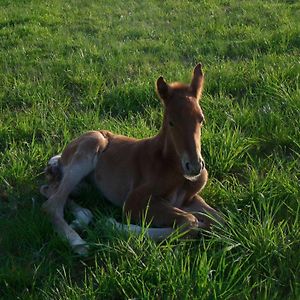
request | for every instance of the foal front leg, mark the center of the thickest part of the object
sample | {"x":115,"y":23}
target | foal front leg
{"x":157,"y":211}
{"x":205,"y":214}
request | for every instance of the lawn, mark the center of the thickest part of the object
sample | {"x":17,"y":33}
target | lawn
{"x":70,"y":66}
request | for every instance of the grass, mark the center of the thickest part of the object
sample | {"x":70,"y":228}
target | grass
{"x":67,"y":67}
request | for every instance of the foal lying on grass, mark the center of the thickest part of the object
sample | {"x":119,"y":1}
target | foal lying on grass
{"x":158,"y":177}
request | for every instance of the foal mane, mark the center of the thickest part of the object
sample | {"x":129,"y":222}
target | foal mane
{"x":180,"y":87}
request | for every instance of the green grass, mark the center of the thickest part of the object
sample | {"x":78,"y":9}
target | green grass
{"x":70,"y":66}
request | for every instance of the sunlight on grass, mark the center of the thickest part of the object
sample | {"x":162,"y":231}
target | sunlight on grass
{"x":69,"y":67}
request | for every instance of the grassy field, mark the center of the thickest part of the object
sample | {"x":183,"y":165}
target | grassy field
{"x":71,"y":66}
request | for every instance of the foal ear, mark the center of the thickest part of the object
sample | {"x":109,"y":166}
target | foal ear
{"x":162,"y":88}
{"x":197,"y":81}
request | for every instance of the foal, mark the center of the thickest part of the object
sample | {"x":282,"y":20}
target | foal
{"x":158,"y":177}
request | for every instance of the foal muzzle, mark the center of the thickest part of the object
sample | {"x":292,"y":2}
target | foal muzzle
{"x":193,"y":170}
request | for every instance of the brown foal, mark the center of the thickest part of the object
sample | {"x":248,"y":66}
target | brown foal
{"x":161,"y":176}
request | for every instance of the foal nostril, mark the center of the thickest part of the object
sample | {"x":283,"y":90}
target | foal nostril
{"x":194,"y":168}
{"x":202,"y":164}
{"x":187,"y":165}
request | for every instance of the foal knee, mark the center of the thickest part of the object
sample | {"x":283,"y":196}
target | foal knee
{"x":187,"y":220}
{"x":53,"y":207}
{"x":188,"y":224}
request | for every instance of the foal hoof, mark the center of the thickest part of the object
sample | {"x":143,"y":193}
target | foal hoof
{"x":79,"y":246}
{"x":208,"y":221}
{"x":81,"y":249}
{"x":83,"y":217}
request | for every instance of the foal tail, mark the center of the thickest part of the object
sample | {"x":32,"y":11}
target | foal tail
{"x":54,"y":171}
{"x":54,"y":174}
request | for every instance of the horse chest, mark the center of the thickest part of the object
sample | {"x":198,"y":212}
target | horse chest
{"x":177,"y":197}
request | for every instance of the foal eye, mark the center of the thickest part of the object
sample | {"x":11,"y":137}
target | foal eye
{"x":171,"y":123}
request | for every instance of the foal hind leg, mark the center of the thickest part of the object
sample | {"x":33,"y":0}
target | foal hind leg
{"x":54,"y":206}
{"x":83,"y":216}
{"x":80,"y":158}
{"x":49,"y":189}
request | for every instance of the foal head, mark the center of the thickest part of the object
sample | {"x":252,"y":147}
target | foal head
{"x":183,"y":119}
